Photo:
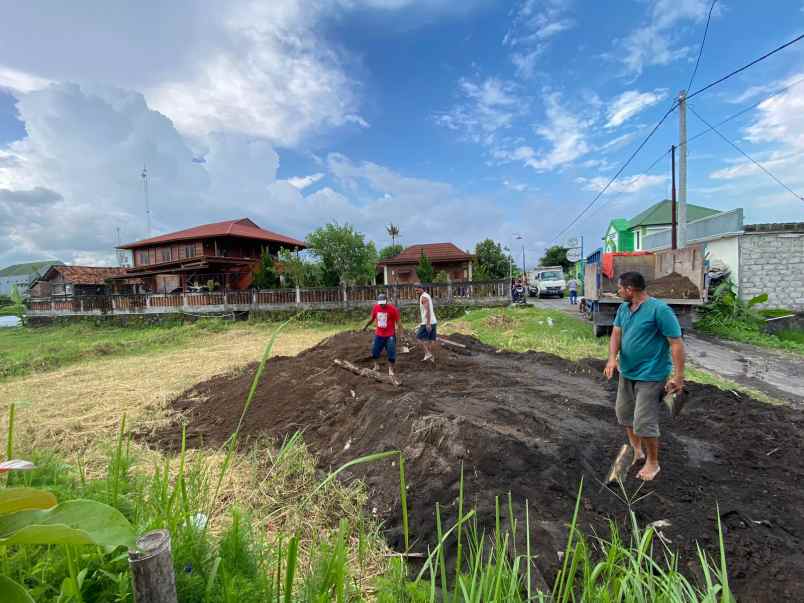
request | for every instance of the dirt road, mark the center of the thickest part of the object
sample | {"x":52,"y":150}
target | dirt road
{"x":775,"y":373}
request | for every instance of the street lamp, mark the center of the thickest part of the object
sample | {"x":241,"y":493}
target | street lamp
{"x":521,"y":237}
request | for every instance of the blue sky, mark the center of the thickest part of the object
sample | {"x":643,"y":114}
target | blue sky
{"x":457,"y":121}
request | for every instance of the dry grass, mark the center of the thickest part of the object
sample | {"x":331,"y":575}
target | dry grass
{"x":73,"y":408}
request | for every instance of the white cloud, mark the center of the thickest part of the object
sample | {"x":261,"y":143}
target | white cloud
{"x":20,"y":82}
{"x":565,"y":131}
{"x":261,"y":68}
{"x":302,"y":182}
{"x":631,"y":184}
{"x":630,"y":103}
{"x":655,"y":42}
{"x":781,"y":118}
{"x":617,"y":142}
{"x":487,"y":107}
{"x":533,"y":25}
{"x":515,"y":186}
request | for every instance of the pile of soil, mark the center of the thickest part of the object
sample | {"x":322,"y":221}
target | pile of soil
{"x":532,"y":424}
{"x":674,"y":286}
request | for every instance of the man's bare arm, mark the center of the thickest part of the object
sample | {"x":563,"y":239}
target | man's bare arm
{"x":614,"y":349}
{"x":676,"y":382}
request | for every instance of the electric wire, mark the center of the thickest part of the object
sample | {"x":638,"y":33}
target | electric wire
{"x":700,"y":51}
{"x":747,"y":156}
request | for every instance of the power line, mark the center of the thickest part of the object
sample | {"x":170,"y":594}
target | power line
{"x":700,"y":51}
{"x":617,"y":175}
{"x":746,"y":66}
{"x":662,"y":120}
{"x":747,"y":156}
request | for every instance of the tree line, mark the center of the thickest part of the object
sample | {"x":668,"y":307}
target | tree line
{"x":338,"y":254}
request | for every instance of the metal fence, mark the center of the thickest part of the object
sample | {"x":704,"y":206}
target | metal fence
{"x":216,"y":302}
{"x":699,"y":231}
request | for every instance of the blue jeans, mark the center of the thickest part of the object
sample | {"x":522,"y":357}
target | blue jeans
{"x":387,"y":343}
{"x":573,"y":296}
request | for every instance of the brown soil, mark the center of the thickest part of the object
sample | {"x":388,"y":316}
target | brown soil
{"x":533,"y":424}
{"x":674,"y":286}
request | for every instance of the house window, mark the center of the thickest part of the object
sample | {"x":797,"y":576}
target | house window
{"x":142,"y":258}
{"x":165,"y":254}
{"x":189,"y":251}
{"x":637,"y":240}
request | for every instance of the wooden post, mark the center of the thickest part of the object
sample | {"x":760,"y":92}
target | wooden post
{"x":152,"y":569}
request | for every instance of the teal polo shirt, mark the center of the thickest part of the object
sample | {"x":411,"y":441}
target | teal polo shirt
{"x":644,"y":349}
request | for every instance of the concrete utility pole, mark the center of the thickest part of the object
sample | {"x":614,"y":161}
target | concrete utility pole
{"x":682,"y":169}
{"x":673,"y":220}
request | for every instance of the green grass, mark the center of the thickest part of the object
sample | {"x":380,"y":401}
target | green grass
{"x":11,"y":310}
{"x":790,"y":340}
{"x":775,"y":312}
{"x":525,"y":329}
{"x":521,"y":329}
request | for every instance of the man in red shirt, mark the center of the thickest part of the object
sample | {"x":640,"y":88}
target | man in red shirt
{"x":388,"y":320}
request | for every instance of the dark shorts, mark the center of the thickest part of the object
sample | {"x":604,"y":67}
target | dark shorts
{"x":386,"y":343}
{"x":423,"y":335}
{"x":638,"y":404}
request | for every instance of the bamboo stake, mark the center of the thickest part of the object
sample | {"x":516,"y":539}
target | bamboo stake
{"x":364,"y":372}
{"x":152,"y":569}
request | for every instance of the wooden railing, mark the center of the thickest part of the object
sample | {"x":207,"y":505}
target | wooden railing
{"x":246,"y":300}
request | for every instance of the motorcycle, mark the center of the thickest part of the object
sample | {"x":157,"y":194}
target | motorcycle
{"x":519,"y":295}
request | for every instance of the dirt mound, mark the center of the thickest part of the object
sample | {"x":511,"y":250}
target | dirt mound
{"x":674,"y":286}
{"x":532,"y":424}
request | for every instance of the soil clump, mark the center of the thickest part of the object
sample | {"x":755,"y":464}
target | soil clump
{"x":532,"y":424}
{"x":674,"y":286}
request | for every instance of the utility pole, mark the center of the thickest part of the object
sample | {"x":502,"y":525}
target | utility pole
{"x":673,"y":219}
{"x":144,"y":177}
{"x":682,"y":169}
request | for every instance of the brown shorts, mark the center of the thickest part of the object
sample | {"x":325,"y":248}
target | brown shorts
{"x":638,"y":404}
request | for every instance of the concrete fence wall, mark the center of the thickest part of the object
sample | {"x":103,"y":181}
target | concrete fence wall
{"x":773,"y":263}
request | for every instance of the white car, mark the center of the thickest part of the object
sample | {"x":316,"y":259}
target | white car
{"x":548,"y":282}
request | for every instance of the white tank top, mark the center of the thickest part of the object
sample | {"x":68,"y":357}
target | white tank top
{"x":432,"y":309}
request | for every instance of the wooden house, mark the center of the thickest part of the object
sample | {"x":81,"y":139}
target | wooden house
{"x":223,"y":255}
{"x":75,"y":281}
{"x":445,"y":257}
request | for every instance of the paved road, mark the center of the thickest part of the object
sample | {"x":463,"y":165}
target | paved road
{"x":778,"y":374}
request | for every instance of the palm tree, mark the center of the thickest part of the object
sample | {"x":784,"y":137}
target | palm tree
{"x":393,"y":232}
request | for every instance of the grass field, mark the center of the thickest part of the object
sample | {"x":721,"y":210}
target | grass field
{"x":72,"y":387}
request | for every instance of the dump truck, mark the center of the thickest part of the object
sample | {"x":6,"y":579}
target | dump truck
{"x":676,"y":276}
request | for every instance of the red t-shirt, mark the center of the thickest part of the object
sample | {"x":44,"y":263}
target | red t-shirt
{"x":386,"y":316}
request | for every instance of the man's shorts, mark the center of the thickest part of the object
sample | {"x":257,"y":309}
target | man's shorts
{"x":386,"y":343}
{"x":638,"y":404}
{"x":423,"y":335}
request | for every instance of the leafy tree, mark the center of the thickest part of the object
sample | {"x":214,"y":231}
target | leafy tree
{"x":345,"y":256}
{"x":393,"y":232}
{"x":265,"y":276}
{"x":491,"y":261}
{"x":390,"y":251}
{"x":441,"y":277}
{"x":299,"y":271}
{"x":425,"y":270}
{"x":556,"y":256}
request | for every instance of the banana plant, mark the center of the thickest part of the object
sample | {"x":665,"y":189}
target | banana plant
{"x":33,"y":516}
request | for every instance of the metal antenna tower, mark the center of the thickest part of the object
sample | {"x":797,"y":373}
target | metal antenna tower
{"x":144,"y":176}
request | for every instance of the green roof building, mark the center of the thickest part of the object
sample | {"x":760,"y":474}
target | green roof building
{"x":618,"y":237}
{"x":658,"y":217}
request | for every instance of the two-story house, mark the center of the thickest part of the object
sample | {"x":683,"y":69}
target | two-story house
{"x":224,"y":254}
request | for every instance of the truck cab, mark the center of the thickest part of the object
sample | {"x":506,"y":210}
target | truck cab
{"x":547,"y":281}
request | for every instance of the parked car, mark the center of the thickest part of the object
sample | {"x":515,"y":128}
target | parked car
{"x":546,"y":281}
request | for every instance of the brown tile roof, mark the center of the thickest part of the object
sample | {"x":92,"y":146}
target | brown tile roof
{"x":436,"y":252}
{"x":85,"y":275}
{"x":236,"y":228}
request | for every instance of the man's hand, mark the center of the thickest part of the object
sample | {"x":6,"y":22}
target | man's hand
{"x":428,"y":328}
{"x":674,"y":384}
{"x":611,"y":365}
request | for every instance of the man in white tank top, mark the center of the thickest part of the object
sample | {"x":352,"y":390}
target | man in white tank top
{"x":426,"y":333}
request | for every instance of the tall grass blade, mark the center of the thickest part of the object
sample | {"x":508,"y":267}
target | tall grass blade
{"x":403,"y":497}
{"x":369,"y":458}
{"x":293,"y":559}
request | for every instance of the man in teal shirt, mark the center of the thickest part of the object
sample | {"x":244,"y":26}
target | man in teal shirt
{"x":646,"y":335}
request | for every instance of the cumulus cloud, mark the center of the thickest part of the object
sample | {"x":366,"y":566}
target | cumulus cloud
{"x":261,"y":68}
{"x":630,"y":103}
{"x":565,"y":131}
